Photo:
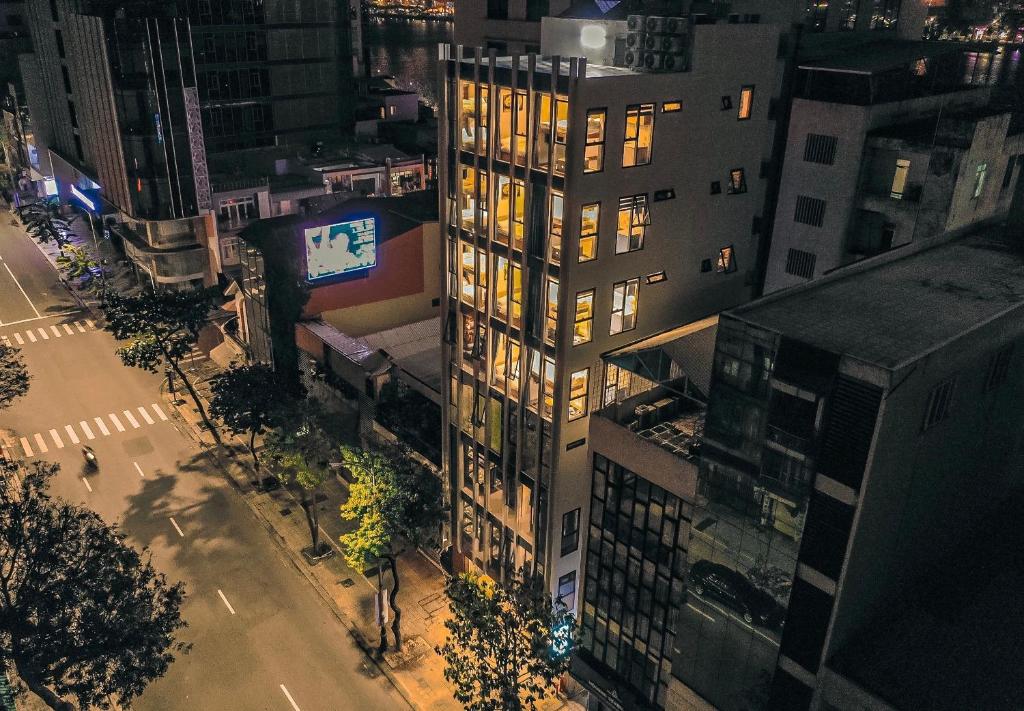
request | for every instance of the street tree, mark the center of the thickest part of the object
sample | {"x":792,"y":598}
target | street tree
{"x":14,"y":377}
{"x":83,"y":615}
{"x":393,"y":499}
{"x":161,"y":328}
{"x":302,"y":451}
{"x":507,"y":644}
{"x":251,"y":399}
{"x":76,"y":263}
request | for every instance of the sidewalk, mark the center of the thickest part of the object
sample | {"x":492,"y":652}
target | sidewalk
{"x":418,"y":672}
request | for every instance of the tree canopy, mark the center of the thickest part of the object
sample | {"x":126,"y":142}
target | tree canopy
{"x":82,"y":614}
{"x":14,"y":377}
{"x":506,"y":644}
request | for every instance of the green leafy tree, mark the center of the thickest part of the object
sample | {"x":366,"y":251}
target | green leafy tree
{"x":161,"y":328}
{"x":302,"y":450}
{"x":14,"y":377}
{"x":506,"y":644}
{"x":77,"y":263}
{"x":393,"y":498}
{"x":82,"y":614}
{"x":251,"y":399}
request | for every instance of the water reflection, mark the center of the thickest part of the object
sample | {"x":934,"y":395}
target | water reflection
{"x":407,"y":50}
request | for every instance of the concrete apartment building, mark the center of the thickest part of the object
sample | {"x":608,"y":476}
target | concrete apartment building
{"x":586,"y":206}
{"x":842,"y":465}
{"x":886,"y":146}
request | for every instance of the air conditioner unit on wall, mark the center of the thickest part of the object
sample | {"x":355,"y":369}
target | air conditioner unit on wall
{"x":664,"y":61}
{"x":665,"y":25}
{"x":665,"y":43}
{"x":634,"y":58}
{"x":635,"y":23}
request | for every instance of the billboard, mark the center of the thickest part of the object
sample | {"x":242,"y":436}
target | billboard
{"x":333,"y":250}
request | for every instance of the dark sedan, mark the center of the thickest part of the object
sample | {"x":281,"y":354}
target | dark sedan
{"x":709,"y":579}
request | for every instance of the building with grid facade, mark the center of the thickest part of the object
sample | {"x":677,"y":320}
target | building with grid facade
{"x":586,"y":207}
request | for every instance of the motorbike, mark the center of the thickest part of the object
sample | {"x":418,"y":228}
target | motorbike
{"x":90,"y":458}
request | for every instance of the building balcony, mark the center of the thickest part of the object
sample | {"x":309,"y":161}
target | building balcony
{"x":670,"y":421}
{"x":788,"y":440}
{"x":886,"y":201}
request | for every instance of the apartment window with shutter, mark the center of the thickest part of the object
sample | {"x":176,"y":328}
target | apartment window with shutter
{"x":809,"y":211}
{"x":820,"y":148}
{"x":998,"y":367}
{"x":939,"y":403}
{"x":800,"y":263}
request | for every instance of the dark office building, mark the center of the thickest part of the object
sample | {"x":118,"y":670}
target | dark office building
{"x":272,"y":72}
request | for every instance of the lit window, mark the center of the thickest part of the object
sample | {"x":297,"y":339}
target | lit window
{"x":552,"y":311}
{"x":583,"y":329}
{"x":555,"y":227}
{"x":517,"y":296}
{"x":518,"y":213}
{"x":979,"y":179}
{"x":939,"y":402}
{"x":468,"y":119}
{"x":469,"y":336}
{"x":590,"y":216}
{"x":624,"y":302}
{"x":505,"y":124}
{"x":746,"y":107}
{"x":656,"y":278}
{"x":737,"y":181}
{"x":636,"y":148}
{"x":899,"y":178}
{"x":726,"y":260}
{"x":634,"y":217}
{"x":501,"y":274}
{"x":593,"y":155}
{"x":567,"y":589}
{"x":670,"y":107}
{"x":579,"y":383}
{"x":506,"y":364}
{"x":522,"y":121}
{"x":550,"y":144}
{"x":503,"y":198}
{"x":616,"y":383}
{"x":483,"y":195}
{"x":468,"y":273}
{"x":467,"y":197}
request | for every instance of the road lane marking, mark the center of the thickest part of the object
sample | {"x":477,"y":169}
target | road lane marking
{"x":43,"y":334}
{"x":56,"y":331}
{"x":228,"y":604}
{"x":72,"y":434}
{"x":19,"y":339}
{"x":86,"y":482}
{"x":700,"y":612}
{"x":290,"y":699}
{"x":18,"y":283}
{"x":145,"y":415}
{"x":92,"y":324}
{"x":159,"y":412}
{"x":56,"y":439}
{"x":41,"y":443}
{"x":85,"y":428}
{"x":139,"y":469}
{"x":25,"y":446}
{"x":31,"y":336}
{"x":177,"y":527}
{"x":102,"y":425}
{"x":78,"y":325}
{"x":117,"y":422}
{"x":68,"y":329}
{"x":131,"y":418}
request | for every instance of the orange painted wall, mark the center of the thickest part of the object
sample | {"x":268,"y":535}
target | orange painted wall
{"x":399,"y":272}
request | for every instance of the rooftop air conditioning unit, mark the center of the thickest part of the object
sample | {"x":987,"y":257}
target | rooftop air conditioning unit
{"x":665,"y":25}
{"x":635,"y":23}
{"x":665,"y":43}
{"x":634,"y":58}
{"x":664,"y":61}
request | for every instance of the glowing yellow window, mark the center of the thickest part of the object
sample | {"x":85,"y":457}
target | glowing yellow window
{"x":555,"y":227}
{"x":593,"y":154}
{"x":636,"y":148}
{"x":505,"y":124}
{"x":503,"y":192}
{"x":501,"y":273}
{"x":468,"y":276}
{"x":589,"y":223}
{"x":552,"y":311}
{"x":579,"y":383}
{"x":746,"y":107}
{"x":518,"y":213}
{"x":517,"y":296}
{"x":583,"y":328}
{"x":468,"y":115}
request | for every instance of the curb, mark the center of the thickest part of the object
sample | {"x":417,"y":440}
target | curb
{"x":215,"y":455}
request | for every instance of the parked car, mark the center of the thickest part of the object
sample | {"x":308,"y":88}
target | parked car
{"x":729,"y":586}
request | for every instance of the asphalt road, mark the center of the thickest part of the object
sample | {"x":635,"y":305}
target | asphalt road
{"x":262,"y":637}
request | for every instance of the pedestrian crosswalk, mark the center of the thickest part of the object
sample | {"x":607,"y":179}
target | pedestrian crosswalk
{"x":38,"y":334}
{"x":83,"y":431}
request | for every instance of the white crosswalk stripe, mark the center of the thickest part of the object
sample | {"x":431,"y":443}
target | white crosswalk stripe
{"x":43,"y":334}
{"x":36,"y":444}
{"x":35,"y":334}
{"x":67,"y":328}
{"x":31,"y":336}
{"x":19,"y":339}
{"x":78,"y":325}
{"x":56,"y":331}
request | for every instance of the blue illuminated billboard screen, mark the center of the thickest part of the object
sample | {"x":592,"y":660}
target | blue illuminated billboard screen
{"x":340,"y":248}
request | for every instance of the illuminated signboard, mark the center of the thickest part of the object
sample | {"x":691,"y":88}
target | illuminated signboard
{"x":340,"y":248}
{"x":83,"y":198}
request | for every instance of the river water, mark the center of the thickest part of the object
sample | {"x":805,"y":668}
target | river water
{"x":407,"y":50}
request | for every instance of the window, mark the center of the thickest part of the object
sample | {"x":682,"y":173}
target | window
{"x":469,"y":119}
{"x":939,"y":402}
{"x":518,"y":213}
{"x":60,"y":44}
{"x":555,"y":227}
{"x":726,"y":260}
{"x":567,"y":589}
{"x":501,"y":274}
{"x":616,"y":383}
{"x":593,"y":153}
{"x":583,"y":328}
{"x":670,"y":107}
{"x":53,"y":11}
{"x":809,"y":211}
{"x":624,"y":303}
{"x":716,"y":187}
{"x":899,"y":178}
{"x":503,"y":199}
{"x":800,"y":263}
{"x":522,"y":123}
{"x":737,"y":181}
{"x":726,"y":103}
{"x":579,"y":384}
{"x":746,"y":107}
{"x":67,"y":86}
{"x":590,"y":216}
{"x":570,"y":531}
{"x":73,"y":114}
{"x":497,"y":9}
{"x":505,"y":124}
{"x":820,"y":148}
{"x":1009,"y":172}
{"x":552,"y":311}
{"x":634,"y":217}
{"x":998,"y":367}
{"x":656,"y":278}
{"x":667,"y":194}
{"x":884,"y":14}
{"x":705,"y":266}
{"x":979,"y":179}
{"x":636,"y":148}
